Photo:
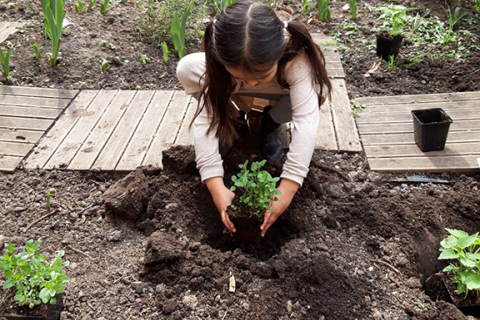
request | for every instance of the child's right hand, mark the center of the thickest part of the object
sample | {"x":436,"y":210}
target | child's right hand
{"x":222,"y":197}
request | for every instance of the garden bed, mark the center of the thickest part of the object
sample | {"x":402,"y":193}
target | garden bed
{"x":352,"y":245}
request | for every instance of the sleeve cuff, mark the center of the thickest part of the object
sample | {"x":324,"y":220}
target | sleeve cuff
{"x":295,"y":178}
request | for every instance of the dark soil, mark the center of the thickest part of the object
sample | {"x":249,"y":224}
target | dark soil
{"x":324,"y":258}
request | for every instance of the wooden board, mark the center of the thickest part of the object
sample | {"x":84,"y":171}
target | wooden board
{"x":114,"y":148}
{"x":333,"y":62}
{"x":404,"y":127}
{"x":99,"y":135}
{"x":347,"y":135}
{"x":412,"y":150}
{"x":144,"y":134}
{"x":15,"y":149}
{"x":9,"y":163}
{"x":406,"y":116}
{"x":168,"y":129}
{"x":25,"y":101}
{"x":72,"y":143}
{"x":420,"y":98}
{"x":20,"y":135}
{"x":25,"y":123}
{"x":30,"y":112}
{"x":425,"y":164}
{"x":185,"y":135}
{"x":38,"y":92}
{"x":49,"y":144}
{"x":10,"y":28}
{"x":326,"y":139}
{"x":407,"y":108}
{"x":408,"y":138}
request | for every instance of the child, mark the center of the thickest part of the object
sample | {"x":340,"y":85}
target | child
{"x":250,"y":52}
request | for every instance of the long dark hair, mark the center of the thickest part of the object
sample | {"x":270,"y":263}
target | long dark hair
{"x":249,"y":36}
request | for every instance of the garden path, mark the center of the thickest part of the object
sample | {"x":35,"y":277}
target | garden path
{"x":120,"y":130}
{"x":386,"y":130}
{"x":8,"y":28}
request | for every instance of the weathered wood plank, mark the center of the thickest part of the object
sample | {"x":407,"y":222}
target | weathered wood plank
{"x":11,"y":28}
{"x":25,"y":123}
{"x":420,"y":98}
{"x":326,"y":139}
{"x":53,"y":138}
{"x":412,"y":150}
{"x":113,"y":150}
{"x":168,"y":129}
{"x":425,"y":164}
{"x":446,"y":106}
{"x":9,"y":163}
{"x":408,"y":138}
{"x":4,"y":25}
{"x":15,"y":149}
{"x":24,"y":136}
{"x":406,"y":116}
{"x":405,"y":127}
{"x":30,"y":112}
{"x":33,"y":101}
{"x":99,"y":135}
{"x":346,"y":131}
{"x":185,"y":136}
{"x":77,"y":135}
{"x":38,"y":92}
{"x":145,"y":132}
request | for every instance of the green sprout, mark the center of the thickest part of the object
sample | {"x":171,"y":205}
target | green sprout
{"x":36,"y":51}
{"x":177,"y":30}
{"x":165,"y":51}
{"x":80,"y":6}
{"x":353,"y":8}
{"x":144,"y":59}
{"x":324,"y":12}
{"x":105,"y":65}
{"x":5,"y":59}
{"x":104,"y":5}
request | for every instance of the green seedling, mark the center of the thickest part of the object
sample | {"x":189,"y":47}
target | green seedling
{"x":36,"y":51}
{"x":104,"y":5}
{"x":394,"y":19}
{"x":353,"y":8}
{"x":5,"y":58}
{"x":90,"y":5}
{"x":421,"y":305}
{"x":391,"y":64}
{"x":258,"y":188}
{"x":418,"y":20}
{"x":177,"y":30}
{"x":144,"y":59}
{"x":464,"y":250}
{"x":324,"y":12}
{"x":36,"y":280}
{"x":219,"y":5}
{"x":355,"y":107}
{"x":307,"y":6}
{"x":48,"y":200}
{"x":107,"y":45}
{"x":54,"y":15}
{"x":79,"y":6}
{"x":135,"y":45}
{"x":477,"y":6}
{"x":105,"y":65}
{"x":165,"y":51}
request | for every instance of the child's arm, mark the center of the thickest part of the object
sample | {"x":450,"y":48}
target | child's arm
{"x":222,"y":197}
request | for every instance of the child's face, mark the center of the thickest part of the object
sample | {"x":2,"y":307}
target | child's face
{"x":253,"y":80}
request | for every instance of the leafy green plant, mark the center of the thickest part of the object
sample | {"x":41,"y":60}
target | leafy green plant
{"x":307,"y":6}
{"x":5,"y":58}
{"x":107,"y":45}
{"x":219,"y":5}
{"x":54,"y":15}
{"x":391,"y":64}
{"x":477,"y":6}
{"x":355,"y":107}
{"x":36,"y":280}
{"x":165,"y":51}
{"x":258,"y":188}
{"x":353,"y":8}
{"x":80,"y":6}
{"x":105,"y":65}
{"x":394,"y":19}
{"x":418,"y":20}
{"x":464,"y":250}
{"x":90,"y":5}
{"x":135,"y":45}
{"x":104,"y":5}
{"x":144,"y":59}
{"x":177,"y":30}
{"x":324,"y":12}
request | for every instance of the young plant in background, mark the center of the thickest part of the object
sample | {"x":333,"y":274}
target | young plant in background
{"x":36,"y":280}
{"x":219,"y":5}
{"x":324,"y":12}
{"x":105,"y":65}
{"x":307,"y":6}
{"x":144,"y":59}
{"x":36,"y":51}
{"x":464,"y":250}
{"x":258,"y":188}
{"x":5,"y":58}
{"x":165,"y":51}
{"x":177,"y":30}
{"x":394,"y":19}
{"x":353,"y":8}
{"x":54,"y":15}
{"x":79,"y":6}
{"x":453,"y":18}
{"x":477,"y":6}
{"x":104,"y":5}
{"x":90,"y":5}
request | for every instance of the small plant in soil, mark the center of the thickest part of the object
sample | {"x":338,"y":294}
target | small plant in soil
{"x":394,"y":20}
{"x":144,"y":59}
{"x":307,"y":6}
{"x":54,"y":15}
{"x":107,"y":45}
{"x":105,"y":65}
{"x":36,"y":51}
{"x":219,"y":5}
{"x":80,"y":6}
{"x":258,"y":188}
{"x":324,"y":12}
{"x":104,"y":5}
{"x":36,"y":280}
{"x":165,"y":51}
{"x":5,"y":59}
{"x":353,"y":8}
{"x":90,"y":5}
{"x":177,"y":30}
{"x":356,"y":107}
{"x":464,"y":250}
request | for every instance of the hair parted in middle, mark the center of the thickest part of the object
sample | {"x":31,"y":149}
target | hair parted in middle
{"x":249,"y":36}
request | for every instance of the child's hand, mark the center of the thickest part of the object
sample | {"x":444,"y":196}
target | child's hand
{"x":222,"y":197}
{"x":288,"y":189}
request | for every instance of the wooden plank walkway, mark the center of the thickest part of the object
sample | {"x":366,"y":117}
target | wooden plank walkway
{"x":386,"y":130}
{"x":8,"y":28}
{"x":25,"y":115}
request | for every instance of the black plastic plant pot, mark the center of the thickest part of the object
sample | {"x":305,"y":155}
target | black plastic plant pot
{"x":387,"y":47}
{"x":46,"y":312}
{"x":467,"y":309}
{"x":431,"y":129}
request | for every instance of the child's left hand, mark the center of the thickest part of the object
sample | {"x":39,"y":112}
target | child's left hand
{"x":288,"y":188}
